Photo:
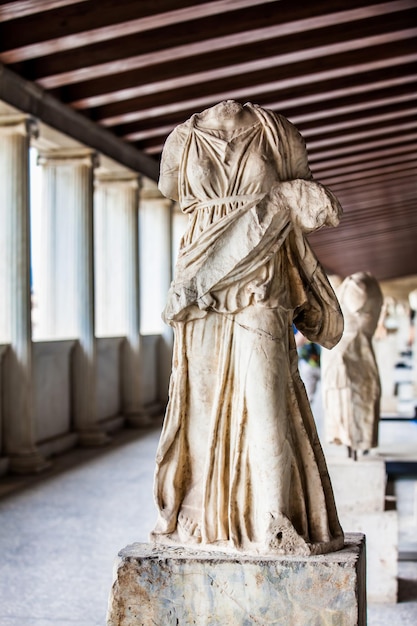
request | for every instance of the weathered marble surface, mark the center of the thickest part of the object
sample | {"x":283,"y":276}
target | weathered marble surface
{"x":358,"y":487}
{"x":350,"y":378}
{"x":359,"y":490}
{"x":381,"y":531}
{"x":239,"y":463}
{"x":170,"y":586}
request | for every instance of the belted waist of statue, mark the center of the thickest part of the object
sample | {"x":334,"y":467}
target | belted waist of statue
{"x":238,"y":199}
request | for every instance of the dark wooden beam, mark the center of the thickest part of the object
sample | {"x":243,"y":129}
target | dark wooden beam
{"x":198,"y":32}
{"x":209,"y":93}
{"x":33,"y":100}
{"x":22,"y":8}
{"x":315,"y":96}
{"x":97,"y":91}
{"x":71,"y":17}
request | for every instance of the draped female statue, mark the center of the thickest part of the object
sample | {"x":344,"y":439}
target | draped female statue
{"x":239,"y":464}
{"x":351,"y":384}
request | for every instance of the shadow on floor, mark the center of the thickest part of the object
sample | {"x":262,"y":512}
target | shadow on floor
{"x":76,"y":457}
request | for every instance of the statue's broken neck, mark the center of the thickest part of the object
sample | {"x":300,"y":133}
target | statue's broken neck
{"x":227,"y":115}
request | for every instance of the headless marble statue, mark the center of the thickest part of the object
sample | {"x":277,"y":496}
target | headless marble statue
{"x":239,"y":465}
{"x":350,"y":378}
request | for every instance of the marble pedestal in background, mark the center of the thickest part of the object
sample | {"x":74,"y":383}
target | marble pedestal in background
{"x":359,"y":490}
{"x":170,"y":586}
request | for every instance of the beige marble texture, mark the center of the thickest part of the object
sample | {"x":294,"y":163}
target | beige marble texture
{"x":359,"y":489}
{"x":169,"y":586}
{"x":239,"y":465}
{"x":350,"y":378}
{"x":381,"y":531}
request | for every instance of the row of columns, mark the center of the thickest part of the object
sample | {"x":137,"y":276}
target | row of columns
{"x":67,"y":289}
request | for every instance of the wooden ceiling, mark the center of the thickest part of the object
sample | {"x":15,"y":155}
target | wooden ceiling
{"x":344,"y":72}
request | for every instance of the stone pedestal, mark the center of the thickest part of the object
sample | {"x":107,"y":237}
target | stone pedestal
{"x":167,"y":586}
{"x":359,"y":486}
{"x":381,"y":530}
{"x":359,"y":489}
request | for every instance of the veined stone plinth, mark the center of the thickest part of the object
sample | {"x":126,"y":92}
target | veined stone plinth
{"x":175,"y":586}
{"x":359,"y":491}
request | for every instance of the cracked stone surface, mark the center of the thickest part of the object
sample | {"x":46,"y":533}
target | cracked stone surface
{"x":170,"y":586}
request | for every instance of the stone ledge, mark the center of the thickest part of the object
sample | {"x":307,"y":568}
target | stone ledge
{"x":175,"y":586}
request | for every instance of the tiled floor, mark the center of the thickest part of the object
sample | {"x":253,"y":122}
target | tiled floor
{"x":60,"y":532}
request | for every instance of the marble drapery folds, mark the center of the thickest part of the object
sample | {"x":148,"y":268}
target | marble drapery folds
{"x":350,"y":377}
{"x":239,"y":464}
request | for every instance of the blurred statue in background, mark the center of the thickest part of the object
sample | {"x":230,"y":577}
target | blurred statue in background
{"x":350,"y":378}
{"x":239,"y":465}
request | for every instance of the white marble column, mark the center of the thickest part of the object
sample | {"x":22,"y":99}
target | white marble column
{"x":118,"y":262}
{"x":155,"y":215}
{"x":19,"y":433}
{"x":68,"y":290}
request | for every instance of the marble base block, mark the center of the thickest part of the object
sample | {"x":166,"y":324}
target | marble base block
{"x":381,"y":530}
{"x":175,"y":586}
{"x":359,"y":490}
{"x":359,"y":486}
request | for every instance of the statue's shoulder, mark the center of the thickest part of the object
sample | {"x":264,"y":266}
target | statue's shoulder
{"x":285,"y":123}
{"x":176,"y":139}
{"x":278,"y":122}
{"x":181,"y":131}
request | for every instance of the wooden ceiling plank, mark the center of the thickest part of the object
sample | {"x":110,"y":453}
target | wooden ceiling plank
{"x":398,"y":221}
{"x":345,"y":132}
{"x":357,"y":172}
{"x":317,"y":155}
{"x":367,"y":112}
{"x":347,"y":139}
{"x":22,"y":8}
{"x":370,"y":190}
{"x":154,"y":145}
{"x":408,"y":152}
{"x":381,"y":205}
{"x":375,"y":232}
{"x":366,"y":222}
{"x":172,"y":38}
{"x":347,"y":184}
{"x":40,"y":35}
{"x":214,"y":64}
{"x":251,"y":85}
{"x":316,"y":152}
{"x":396,"y":98}
{"x":345,"y":135}
{"x":383,"y":269}
{"x":352,"y":193}
{"x":322,"y":167}
{"x":329,"y":172}
{"x":97,"y":91}
{"x":316,"y":96}
{"x":356,"y":201}
{"x":346,"y":188}
{"x":184,"y":40}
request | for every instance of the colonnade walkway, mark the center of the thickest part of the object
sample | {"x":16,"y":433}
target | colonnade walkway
{"x":60,"y":533}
